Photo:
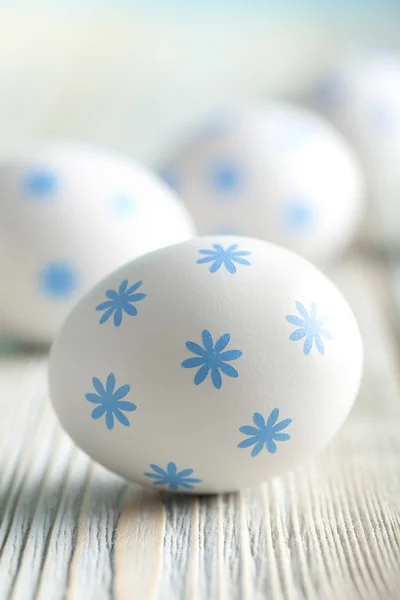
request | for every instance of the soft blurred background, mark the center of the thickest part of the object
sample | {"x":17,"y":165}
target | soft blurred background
{"x":136,"y":75}
{"x":140,"y":76}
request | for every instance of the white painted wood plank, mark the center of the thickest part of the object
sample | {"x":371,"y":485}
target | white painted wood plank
{"x":92,"y":568}
{"x":54,"y":578}
{"x":139,"y":545}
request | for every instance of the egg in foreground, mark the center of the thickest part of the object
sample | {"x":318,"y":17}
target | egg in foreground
{"x":71,"y":214}
{"x":276,"y":172}
{"x":207,"y":366}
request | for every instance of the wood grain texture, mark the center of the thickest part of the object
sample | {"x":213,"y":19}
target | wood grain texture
{"x":70,"y":530}
{"x":328,"y":530}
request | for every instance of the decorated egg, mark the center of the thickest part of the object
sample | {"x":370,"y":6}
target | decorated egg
{"x":361,"y":96}
{"x":279,"y":173}
{"x":207,"y":366}
{"x":70,"y":214}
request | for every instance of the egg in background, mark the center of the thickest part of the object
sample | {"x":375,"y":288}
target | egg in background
{"x":276,"y":172}
{"x":361,"y":96}
{"x":70,"y":214}
{"x":207,"y":366}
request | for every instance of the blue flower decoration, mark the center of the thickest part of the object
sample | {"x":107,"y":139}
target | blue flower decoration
{"x":40,"y":184}
{"x":211,"y":358}
{"x":225,"y":177}
{"x":310,"y":328}
{"x":265,"y":433}
{"x":110,"y":401}
{"x":121,"y":302}
{"x":58,"y":280}
{"x":228,"y":257}
{"x":172,"y":478}
{"x":299,"y":215}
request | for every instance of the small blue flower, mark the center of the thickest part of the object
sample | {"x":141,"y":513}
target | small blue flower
{"x":310,"y":328}
{"x":110,"y":401}
{"x":228,"y":257}
{"x":120,"y":302}
{"x":265,"y":433}
{"x":211,"y":358}
{"x":58,"y":280}
{"x":225,"y":177}
{"x":299,"y":215}
{"x":40,"y":184}
{"x":172,"y":478}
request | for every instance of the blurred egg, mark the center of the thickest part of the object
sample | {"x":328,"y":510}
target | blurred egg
{"x":361,"y":96}
{"x":70,"y":214}
{"x":207,"y":366}
{"x":279,"y":173}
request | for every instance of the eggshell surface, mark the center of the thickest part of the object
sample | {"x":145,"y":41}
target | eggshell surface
{"x":207,"y":366}
{"x":278,"y":172}
{"x":361,"y":96}
{"x":70,"y":214}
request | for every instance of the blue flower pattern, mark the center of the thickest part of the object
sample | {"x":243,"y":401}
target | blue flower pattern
{"x":40,"y":184}
{"x":299,"y":215}
{"x":58,"y":280}
{"x":309,"y":327}
{"x":225,"y":177}
{"x":121,"y":302}
{"x":227,"y":257}
{"x":211,"y":358}
{"x":110,"y":401}
{"x":265,"y":433}
{"x":172,"y":478}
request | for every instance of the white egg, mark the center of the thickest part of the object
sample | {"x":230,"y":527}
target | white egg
{"x":71,"y":214}
{"x":361,"y":96}
{"x":207,"y":366}
{"x":279,"y":173}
